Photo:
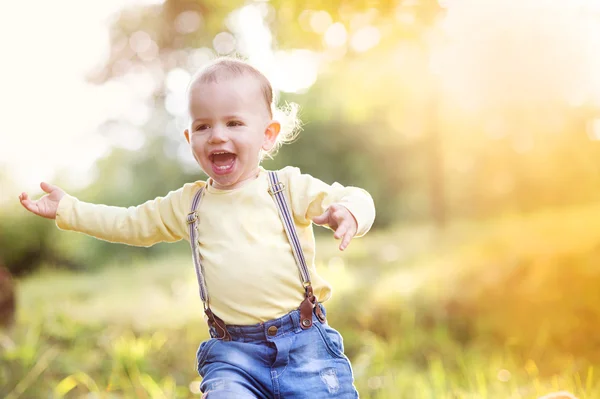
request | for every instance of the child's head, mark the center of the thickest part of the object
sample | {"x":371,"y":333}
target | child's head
{"x":232,"y":124}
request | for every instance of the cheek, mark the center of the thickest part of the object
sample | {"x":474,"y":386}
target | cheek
{"x":197,"y":143}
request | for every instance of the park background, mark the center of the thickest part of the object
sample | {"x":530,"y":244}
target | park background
{"x":474,"y":124}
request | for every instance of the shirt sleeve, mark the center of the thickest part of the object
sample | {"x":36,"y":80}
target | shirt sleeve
{"x":310,"y":197}
{"x":160,"y":220}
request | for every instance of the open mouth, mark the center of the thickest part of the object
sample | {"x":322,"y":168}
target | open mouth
{"x":222,"y":161}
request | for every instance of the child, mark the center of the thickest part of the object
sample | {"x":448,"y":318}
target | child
{"x":252,"y":243}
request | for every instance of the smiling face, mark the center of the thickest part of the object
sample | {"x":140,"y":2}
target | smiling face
{"x":230,"y":124}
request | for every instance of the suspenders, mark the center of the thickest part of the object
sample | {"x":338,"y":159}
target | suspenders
{"x":277,"y":191}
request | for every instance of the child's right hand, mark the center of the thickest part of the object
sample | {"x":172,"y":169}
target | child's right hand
{"x":45,"y":206}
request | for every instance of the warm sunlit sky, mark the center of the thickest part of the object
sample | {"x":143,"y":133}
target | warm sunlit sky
{"x":49,"y":113}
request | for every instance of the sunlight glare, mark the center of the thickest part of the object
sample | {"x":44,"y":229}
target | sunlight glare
{"x":143,"y":82}
{"x":593,"y":129}
{"x":335,"y":35}
{"x":177,"y":80}
{"x":126,"y":137}
{"x":365,"y":38}
{"x":44,"y":76}
{"x":404,"y":15}
{"x":320,"y":21}
{"x":289,"y":71}
{"x":294,"y":71}
{"x":523,"y":54}
{"x":254,"y":38}
{"x":176,"y":103}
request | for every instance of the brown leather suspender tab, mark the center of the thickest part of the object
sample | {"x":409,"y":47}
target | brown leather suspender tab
{"x":319,"y":313}
{"x":306,"y":308}
{"x":217,"y":326}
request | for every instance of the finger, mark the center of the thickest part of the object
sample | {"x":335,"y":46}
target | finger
{"x":29,"y":204}
{"x":48,"y":188}
{"x":346,"y":240}
{"x":337,"y":214}
{"x":340,"y":215}
{"x":350,"y":233}
{"x":23,"y":197}
{"x":340,"y":231}
{"x":322,"y":219}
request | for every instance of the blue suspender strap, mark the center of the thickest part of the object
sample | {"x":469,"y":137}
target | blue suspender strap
{"x":192,"y":221}
{"x":277,"y":190}
{"x":217,"y":327}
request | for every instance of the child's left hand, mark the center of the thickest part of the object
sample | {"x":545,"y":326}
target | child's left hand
{"x":339,"y":218}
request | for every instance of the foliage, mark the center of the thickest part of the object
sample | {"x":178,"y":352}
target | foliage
{"x":381,"y":119}
{"x":449,"y":323}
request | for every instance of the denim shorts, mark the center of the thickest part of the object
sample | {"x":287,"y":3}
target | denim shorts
{"x":277,"y":359}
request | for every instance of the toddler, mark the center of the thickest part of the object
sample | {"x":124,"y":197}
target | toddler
{"x":252,"y":243}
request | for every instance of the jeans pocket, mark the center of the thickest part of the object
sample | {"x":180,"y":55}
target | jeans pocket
{"x":203,"y":352}
{"x":332,"y":339}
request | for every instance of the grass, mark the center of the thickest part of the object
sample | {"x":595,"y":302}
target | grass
{"x":435,"y":320}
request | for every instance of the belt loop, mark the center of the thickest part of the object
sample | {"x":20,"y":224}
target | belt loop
{"x":295,"y":316}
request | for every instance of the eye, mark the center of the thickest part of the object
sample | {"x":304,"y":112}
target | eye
{"x":202,"y":127}
{"x":234,"y":123}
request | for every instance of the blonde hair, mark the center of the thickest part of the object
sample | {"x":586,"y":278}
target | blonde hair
{"x":286,"y":115}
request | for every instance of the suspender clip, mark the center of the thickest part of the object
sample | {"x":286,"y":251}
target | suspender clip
{"x":276,"y":188}
{"x":192,"y":217}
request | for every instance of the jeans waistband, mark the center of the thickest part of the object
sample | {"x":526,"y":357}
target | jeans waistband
{"x":269,"y":330}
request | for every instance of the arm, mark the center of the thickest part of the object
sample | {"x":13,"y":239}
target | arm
{"x":162,"y":219}
{"x":349,"y":211}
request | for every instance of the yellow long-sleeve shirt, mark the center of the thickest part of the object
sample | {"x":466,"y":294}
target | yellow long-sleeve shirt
{"x":250,"y":272}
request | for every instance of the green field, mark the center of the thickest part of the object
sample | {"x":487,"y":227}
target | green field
{"x":505,"y":308}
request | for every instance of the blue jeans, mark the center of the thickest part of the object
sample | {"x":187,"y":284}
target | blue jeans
{"x":276,"y":359}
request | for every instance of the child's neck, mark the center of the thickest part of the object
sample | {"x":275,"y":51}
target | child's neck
{"x":238,"y":184}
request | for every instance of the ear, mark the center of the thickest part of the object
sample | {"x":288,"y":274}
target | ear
{"x":186,"y":133}
{"x":271,"y":133}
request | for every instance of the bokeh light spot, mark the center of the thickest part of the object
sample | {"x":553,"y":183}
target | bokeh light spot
{"x":320,"y":21}
{"x":140,"y":41}
{"x":224,"y":43}
{"x":177,"y":80}
{"x":188,"y":22}
{"x":335,"y":35}
{"x":200,"y":57}
{"x":504,"y":375}
{"x":365,"y":38}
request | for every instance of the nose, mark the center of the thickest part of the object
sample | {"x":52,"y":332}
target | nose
{"x":217,"y":135}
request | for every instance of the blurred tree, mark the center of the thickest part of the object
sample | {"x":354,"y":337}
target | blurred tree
{"x":340,"y":122}
{"x":7,"y":299}
{"x":430,"y":140}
